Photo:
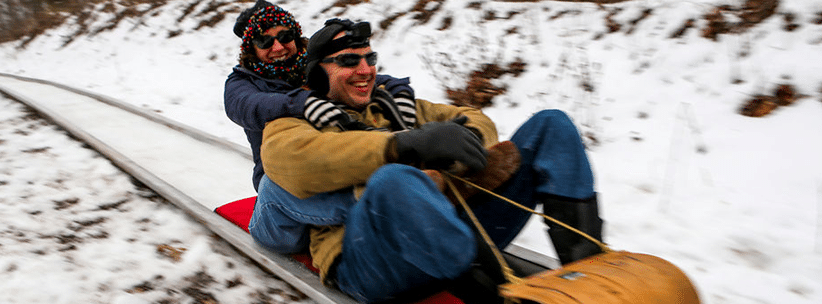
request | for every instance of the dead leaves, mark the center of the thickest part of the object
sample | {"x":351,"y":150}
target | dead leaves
{"x":480,"y":90}
{"x":728,"y":19}
{"x":761,"y":105}
{"x":171,"y":252}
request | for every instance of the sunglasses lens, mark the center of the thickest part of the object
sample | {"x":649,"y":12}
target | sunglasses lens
{"x":352,"y":60}
{"x":371,"y":58}
{"x":285,"y":36}
{"x":348,"y":60}
{"x":264,"y":41}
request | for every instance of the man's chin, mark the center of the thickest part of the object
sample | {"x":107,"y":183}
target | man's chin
{"x":360,"y":99}
{"x":359,"y":103}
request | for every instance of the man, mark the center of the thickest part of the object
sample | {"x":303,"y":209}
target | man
{"x":376,"y":224}
{"x":265,"y":84}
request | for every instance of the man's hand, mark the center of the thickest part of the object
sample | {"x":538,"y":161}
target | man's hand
{"x":438,"y":145}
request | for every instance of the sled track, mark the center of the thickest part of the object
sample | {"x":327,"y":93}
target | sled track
{"x":150,"y":148}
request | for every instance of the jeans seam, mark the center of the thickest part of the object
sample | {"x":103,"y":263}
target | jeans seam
{"x":313,"y":219}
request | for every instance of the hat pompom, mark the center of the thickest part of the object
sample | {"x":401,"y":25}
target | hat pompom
{"x":242,"y":20}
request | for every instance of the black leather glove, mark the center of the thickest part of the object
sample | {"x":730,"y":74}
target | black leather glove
{"x":437,"y":145}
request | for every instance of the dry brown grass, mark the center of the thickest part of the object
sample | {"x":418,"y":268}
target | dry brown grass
{"x":420,"y":14}
{"x":589,"y":1}
{"x":479,"y":91}
{"x":344,"y":5}
{"x":39,"y":16}
{"x":33,"y":17}
{"x":761,"y":105}
{"x":751,"y":13}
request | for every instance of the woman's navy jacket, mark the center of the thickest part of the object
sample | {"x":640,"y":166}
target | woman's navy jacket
{"x":251,"y":101}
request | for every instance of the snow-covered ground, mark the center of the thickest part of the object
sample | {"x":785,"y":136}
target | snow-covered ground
{"x":76,"y":229}
{"x":734,"y":201}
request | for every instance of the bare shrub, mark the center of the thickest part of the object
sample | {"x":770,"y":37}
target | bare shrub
{"x":479,"y":90}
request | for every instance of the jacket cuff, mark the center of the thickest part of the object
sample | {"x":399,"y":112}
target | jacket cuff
{"x":391,"y":154}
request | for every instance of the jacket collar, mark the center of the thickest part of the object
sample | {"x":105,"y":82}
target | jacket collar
{"x":272,"y":83}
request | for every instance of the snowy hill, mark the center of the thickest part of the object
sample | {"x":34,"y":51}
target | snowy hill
{"x":655,"y":86}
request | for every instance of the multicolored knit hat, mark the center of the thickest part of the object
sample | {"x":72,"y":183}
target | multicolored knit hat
{"x":266,"y":15}
{"x":252,"y":23}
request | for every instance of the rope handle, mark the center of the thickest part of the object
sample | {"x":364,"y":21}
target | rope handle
{"x":601,"y":245}
{"x":507,"y":272}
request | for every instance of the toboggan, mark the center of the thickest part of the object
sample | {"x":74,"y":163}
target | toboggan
{"x":608,"y":277}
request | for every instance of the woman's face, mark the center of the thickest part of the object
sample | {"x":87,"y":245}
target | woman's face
{"x":277,"y":51}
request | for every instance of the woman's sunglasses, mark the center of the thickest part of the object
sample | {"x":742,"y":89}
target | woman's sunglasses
{"x":266,"y":41}
{"x":351,"y":60}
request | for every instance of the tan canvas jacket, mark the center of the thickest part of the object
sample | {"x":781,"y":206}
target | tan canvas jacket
{"x":306,"y":161}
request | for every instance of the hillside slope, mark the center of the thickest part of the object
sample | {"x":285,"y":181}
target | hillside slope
{"x":658,"y":89}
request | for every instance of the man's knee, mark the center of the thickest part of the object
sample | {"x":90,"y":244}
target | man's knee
{"x":416,"y":209}
{"x":393,"y":178}
{"x":555,"y":124}
{"x":552,"y":113}
{"x":395,"y":172}
{"x":400,"y":189}
{"x":554,"y":117}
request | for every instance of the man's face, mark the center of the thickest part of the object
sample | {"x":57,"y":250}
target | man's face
{"x":350,"y":85}
{"x":278,"y":51}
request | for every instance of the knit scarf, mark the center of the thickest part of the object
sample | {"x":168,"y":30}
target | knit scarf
{"x":401,"y":112}
{"x":291,"y":70}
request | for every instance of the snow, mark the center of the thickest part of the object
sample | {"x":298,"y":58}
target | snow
{"x":78,"y":230}
{"x":734,"y":201}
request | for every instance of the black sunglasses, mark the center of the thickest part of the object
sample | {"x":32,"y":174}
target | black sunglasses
{"x":266,"y":41}
{"x":351,"y":60}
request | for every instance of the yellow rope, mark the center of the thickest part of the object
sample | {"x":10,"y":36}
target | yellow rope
{"x":601,"y":245}
{"x":506,"y":271}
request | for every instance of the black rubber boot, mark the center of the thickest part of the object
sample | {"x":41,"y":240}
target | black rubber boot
{"x":479,"y":284}
{"x":476,"y":285}
{"x":580,"y":214}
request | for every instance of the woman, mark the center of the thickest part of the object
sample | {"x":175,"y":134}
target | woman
{"x":266,"y":84}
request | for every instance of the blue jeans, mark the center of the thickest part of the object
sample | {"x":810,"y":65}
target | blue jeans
{"x":553,"y":163}
{"x":280,"y":220}
{"x":404,"y":233}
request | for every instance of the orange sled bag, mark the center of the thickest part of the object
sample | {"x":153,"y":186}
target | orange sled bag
{"x":612,"y":277}
{"x":607,"y":278}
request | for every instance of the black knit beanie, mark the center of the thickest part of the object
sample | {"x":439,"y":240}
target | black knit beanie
{"x":322,"y":44}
